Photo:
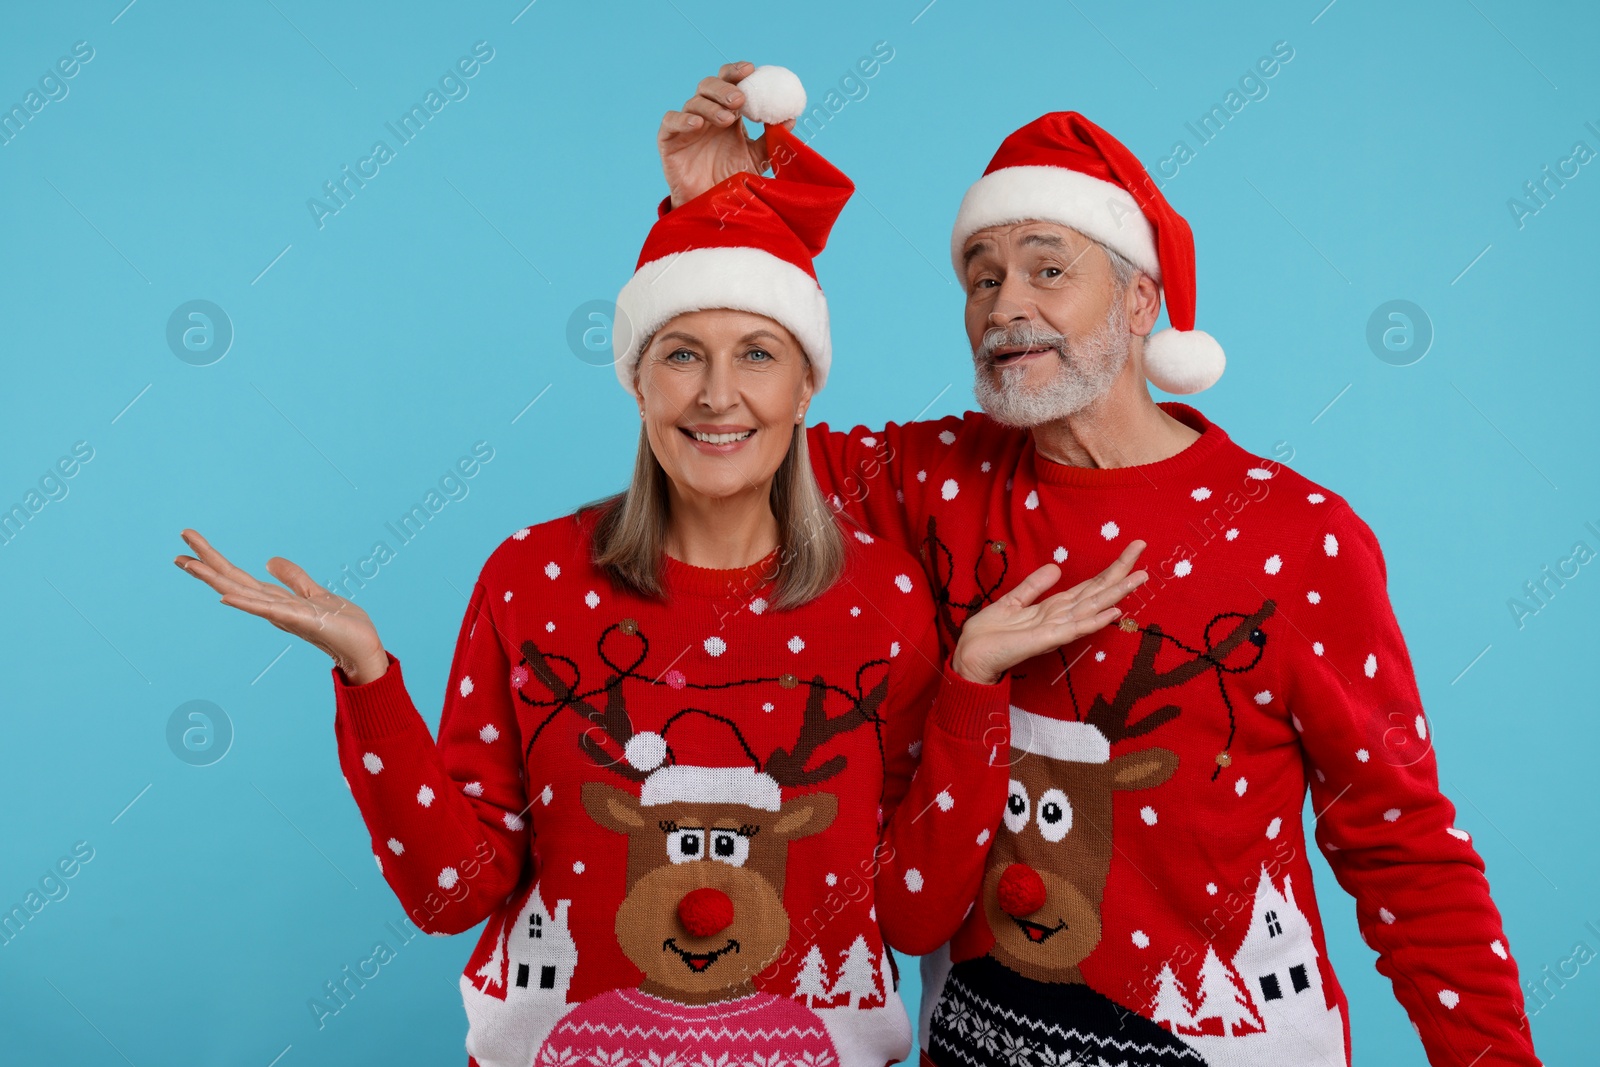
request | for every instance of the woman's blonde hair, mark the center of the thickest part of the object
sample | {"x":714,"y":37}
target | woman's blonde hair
{"x":630,"y":535}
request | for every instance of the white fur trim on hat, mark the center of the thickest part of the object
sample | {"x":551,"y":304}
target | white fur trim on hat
{"x":772,"y":94}
{"x":742,"y":279}
{"x":1097,"y":209}
{"x":1059,"y":739}
{"x":1183,"y":361}
{"x":711,"y":785}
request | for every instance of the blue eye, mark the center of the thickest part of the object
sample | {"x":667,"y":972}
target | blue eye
{"x":760,"y":355}
{"x":672,"y":357}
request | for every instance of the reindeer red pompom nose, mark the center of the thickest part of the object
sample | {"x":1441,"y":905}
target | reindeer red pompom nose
{"x":705,"y":911}
{"x":1020,"y":891}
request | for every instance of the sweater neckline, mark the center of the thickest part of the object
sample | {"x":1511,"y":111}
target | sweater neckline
{"x":1212,"y":437}
{"x":684,"y":579}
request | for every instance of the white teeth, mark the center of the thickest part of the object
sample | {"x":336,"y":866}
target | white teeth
{"x":720,"y":438}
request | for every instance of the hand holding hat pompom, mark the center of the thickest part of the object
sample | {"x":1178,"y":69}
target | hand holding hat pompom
{"x":772,"y":95}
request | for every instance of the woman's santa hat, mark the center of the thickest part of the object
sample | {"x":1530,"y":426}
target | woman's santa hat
{"x":1063,"y":168}
{"x":746,"y":243}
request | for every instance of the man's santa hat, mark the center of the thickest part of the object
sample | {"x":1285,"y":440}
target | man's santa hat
{"x":1062,"y":168}
{"x":746,"y":243}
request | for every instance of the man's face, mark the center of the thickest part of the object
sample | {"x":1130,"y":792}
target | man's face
{"x":1046,"y":320}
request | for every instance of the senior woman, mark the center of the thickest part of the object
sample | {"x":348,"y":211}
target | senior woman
{"x":699,"y":761}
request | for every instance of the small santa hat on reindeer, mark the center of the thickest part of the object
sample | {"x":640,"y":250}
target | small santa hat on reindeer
{"x":747,"y":243}
{"x":1062,"y":168}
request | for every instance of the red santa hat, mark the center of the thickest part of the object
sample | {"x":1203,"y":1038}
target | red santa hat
{"x":1058,"y":739}
{"x":746,"y":243}
{"x":1063,"y":168}
{"x":701,"y":765}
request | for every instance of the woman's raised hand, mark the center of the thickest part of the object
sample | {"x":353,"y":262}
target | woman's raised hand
{"x":1014,"y":628}
{"x":304,"y":609}
{"x":705,"y":143}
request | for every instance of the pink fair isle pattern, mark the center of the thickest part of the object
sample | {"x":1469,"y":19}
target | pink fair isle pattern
{"x":627,"y":1028}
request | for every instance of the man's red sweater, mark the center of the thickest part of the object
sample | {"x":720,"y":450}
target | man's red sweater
{"x":683,"y":797}
{"x":1264,"y":656}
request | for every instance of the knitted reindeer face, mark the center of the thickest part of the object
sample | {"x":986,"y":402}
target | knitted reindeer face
{"x":675,"y":849}
{"x":707,"y":845}
{"x":1047,"y":870}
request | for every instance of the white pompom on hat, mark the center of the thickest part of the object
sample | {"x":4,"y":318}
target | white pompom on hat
{"x":1062,"y":168}
{"x":772,"y":95}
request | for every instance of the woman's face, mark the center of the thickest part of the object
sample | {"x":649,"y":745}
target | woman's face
{"x":720,"y":393}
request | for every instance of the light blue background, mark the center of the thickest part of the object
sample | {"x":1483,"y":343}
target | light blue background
{"x":428,"y":313}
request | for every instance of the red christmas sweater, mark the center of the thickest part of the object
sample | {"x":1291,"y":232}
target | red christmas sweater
{"x":1163,"y":909}
{"x":699,"y":810}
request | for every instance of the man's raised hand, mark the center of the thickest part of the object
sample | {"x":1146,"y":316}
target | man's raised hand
{"x":1014,"y":628}
{"x":705,"y":142}
{"x":304,"y":609}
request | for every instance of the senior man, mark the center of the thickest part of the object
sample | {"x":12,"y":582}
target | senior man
{"x":1149,"y":898}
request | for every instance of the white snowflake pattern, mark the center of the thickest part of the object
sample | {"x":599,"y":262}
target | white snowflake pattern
{"x":1201,"y":493}
{"x":1460,"y":835}
{"x":1109,"y":530}
{"x":1264,"y":697}
{"x":1330,"y":544}
{"x":1386,"y":915}
{"x":549,"y":627}
{"x":425,"y":796}
{"x":372,"y":762}
{"x":508,"y":596}
{"x":1274,"y":564}
{"x":1498,"y":947}
{"x":1240,"y":786}
{"x":1148,"y":814}
{"x":552,"y":570}
{"x":1315,"y":498}
{"x":577,"y":866}
{"x":1032,"y":501}
{"x":986,"y":466}
{"x":1260,"y":474}
{"x":894,"y":649}
{"x":796,"y":645}
{"x":1392,"y":815}
{"x":473,"y":789}
{"x":448,"y":878}
{"x":466,"y":685}
{"x":1316,"y":646}
{"x":945,"y":800}
{"x":1363,"y":755}
{"x":1273,"y":827}
{"x":1232,"y":533}
{"x":922,"y":476}
{"x":1313,"y":597}
{"x":983,"y":837}
{"x":546,"y":796}
{"x":914,"y":880}
{"x":855,"y":613}
{"x":864,"y":537}
{"x":592,"y":599}
{"x":715,"y":646}
{"x":520,"y":534}
{"x":1370,"y":667}
{"x":767,"y":706}
{"x":512,"y":820}
{"x":490,"y":733}
{"x":1060,"y":554}
{"x":1140,"y":938}
{"x":758,"y":605}
{"x":395,"y":846}
{"x":1211,"y":888}
{"x":1449,"y":998}
{"x":949,"y":489}
{"x":946,"y":437}
{"x":831,"y":878}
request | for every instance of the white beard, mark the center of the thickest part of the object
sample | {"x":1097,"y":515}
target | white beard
{"x":1085,"y":373}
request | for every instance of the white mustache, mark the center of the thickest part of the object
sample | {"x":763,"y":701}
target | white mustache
{"x":1029,"y":336}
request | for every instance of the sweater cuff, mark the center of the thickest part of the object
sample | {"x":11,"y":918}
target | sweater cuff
{"x":970,"y":710}
{"x":376,"y":709}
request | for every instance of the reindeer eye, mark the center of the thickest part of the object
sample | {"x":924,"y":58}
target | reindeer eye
{"x":1016,"y":815}
{"x":729,"y":846}
{"x":1055,"y":815}
{"x":685,"y":846}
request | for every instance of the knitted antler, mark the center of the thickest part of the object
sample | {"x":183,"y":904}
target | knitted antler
{"x":787,"y":766}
